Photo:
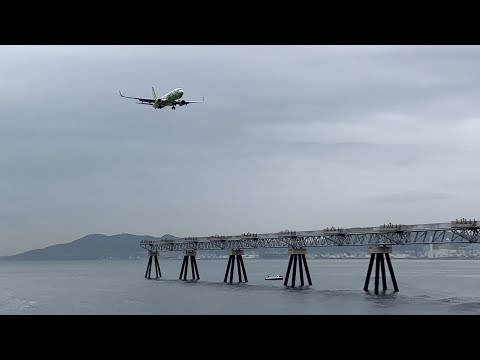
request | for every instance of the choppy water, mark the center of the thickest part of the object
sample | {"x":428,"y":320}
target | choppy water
{"x":119,"y":287}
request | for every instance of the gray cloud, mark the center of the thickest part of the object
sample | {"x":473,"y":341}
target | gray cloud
{"x":297,"y":137}
{"x":411,"y":196}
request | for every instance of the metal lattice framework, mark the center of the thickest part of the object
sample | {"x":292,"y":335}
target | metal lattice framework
{"x":458,"y":231}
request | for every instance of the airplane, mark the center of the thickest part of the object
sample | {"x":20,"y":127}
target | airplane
{"x":172,"y":98}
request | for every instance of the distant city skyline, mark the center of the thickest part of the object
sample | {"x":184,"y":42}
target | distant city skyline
{"x":289,"y":137}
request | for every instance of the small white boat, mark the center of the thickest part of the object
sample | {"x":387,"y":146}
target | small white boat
{"x":274,"y":277}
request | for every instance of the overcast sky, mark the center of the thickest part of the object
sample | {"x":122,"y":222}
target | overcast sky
{"x":289,"y":137}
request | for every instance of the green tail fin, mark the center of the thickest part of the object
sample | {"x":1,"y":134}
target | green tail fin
{"x":153,"y":94}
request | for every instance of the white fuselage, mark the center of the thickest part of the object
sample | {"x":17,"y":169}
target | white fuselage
{"x":169,"y":98}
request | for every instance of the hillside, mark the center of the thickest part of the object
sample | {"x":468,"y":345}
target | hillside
{"x":91,"y":247}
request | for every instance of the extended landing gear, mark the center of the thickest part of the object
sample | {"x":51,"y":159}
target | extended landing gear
{"x":380,"y":253}
{"x":173,"y":107}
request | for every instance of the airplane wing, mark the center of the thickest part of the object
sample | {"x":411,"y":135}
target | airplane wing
{"x":143,"y":100}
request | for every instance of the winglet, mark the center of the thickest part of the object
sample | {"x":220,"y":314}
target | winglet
{"x":120,"y":93}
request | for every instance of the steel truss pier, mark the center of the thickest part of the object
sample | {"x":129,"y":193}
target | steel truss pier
{"x":464,"y":231}
{"x":153,"y":255}
{"x":297,"y":255}
{"x":231,"y":266}
{"x":183,"y":272}
{"x":380,"y":238}
{"x":380,"y":253}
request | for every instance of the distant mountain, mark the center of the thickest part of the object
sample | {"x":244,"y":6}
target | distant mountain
{"x":92,"y":247}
